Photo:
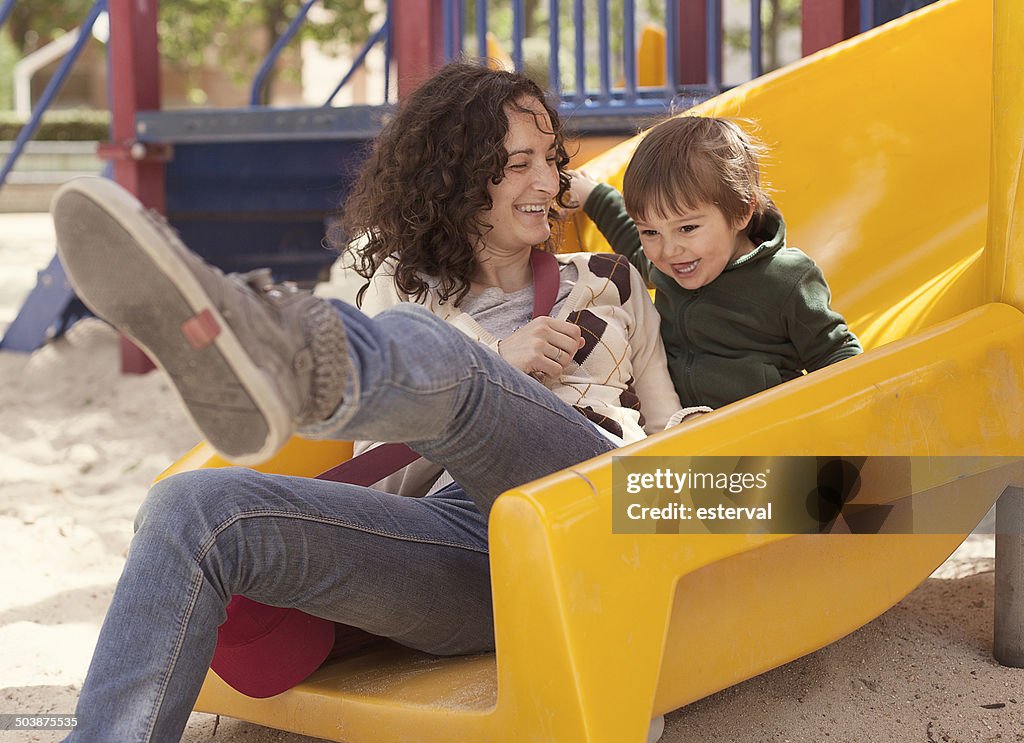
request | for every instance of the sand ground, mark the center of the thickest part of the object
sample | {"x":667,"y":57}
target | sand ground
{"x":79,"y":442}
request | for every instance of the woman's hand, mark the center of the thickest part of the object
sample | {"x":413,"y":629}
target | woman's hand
{"x":542,"y":347}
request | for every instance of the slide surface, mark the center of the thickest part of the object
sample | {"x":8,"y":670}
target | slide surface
{"x":880,"y":163}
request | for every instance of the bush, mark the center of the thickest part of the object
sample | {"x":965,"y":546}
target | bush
{"x":8,"y":57}
{"x":61,"y":126}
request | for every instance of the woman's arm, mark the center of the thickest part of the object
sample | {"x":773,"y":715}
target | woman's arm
{"x":658,"y":398}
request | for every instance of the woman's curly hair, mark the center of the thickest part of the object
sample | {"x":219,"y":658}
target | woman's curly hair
{"x":421,"y":194}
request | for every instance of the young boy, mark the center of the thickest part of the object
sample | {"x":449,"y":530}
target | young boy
{"x":740,"y":311}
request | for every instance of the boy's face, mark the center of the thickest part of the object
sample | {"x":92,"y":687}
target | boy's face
{"x":693,"y":246}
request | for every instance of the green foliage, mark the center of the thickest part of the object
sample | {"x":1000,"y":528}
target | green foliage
{"x":35,"y":24}
{"x":191,"y":29}
{"x":196,"y":32}
{"x":64,"y":126}
{"x":776,"y":17}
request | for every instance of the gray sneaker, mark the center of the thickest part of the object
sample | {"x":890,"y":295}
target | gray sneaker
{"x":251,"y":360}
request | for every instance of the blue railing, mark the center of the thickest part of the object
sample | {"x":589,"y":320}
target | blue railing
{"x":625,"y":96}
{"x":607,"y":97}
{"x":52,"y":88}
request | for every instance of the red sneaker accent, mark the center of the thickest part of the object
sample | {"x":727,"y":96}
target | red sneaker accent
{"x":200,"y":330}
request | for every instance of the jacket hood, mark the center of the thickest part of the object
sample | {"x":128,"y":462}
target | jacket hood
{"x":769,"y":236}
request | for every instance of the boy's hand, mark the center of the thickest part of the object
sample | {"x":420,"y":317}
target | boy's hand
{"x":579,"y":192}
{"x":544,"y":347}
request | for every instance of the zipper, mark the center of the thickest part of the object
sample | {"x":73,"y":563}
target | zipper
{"x":691,"y":355}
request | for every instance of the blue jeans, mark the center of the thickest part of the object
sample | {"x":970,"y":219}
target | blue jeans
{"x":411,"y":569}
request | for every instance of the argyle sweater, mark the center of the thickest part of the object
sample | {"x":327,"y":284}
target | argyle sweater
{"x":619,"y":379}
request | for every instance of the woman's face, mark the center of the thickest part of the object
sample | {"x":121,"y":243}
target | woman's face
{"x":519,"y":215}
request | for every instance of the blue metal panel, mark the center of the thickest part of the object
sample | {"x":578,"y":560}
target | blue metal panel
{"x":253,"y":203}
{"x":248,"y":188}
{"x":51,"y":308}
{"x":304,"y":177}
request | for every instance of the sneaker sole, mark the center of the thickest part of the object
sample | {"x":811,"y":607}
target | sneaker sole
{"x":123,"y":269}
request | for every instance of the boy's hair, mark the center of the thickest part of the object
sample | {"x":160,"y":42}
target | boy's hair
{"x":687,"y":161}
{"x":420,"y":196}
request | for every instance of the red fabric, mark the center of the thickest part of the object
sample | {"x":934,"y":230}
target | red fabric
{"x":265,"y":650}
{"x":546,"y":280}
{"x":372,"y":465}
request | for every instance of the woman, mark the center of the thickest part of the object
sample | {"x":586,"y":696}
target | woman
{"x":454,"y":233}
{"x":471,"y":264}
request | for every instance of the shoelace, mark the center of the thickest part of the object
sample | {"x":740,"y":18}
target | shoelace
{"x":262,"y":280}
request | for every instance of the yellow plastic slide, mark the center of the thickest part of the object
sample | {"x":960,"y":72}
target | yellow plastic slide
{"x":881,"y":165}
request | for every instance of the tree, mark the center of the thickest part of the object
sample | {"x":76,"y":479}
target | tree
{"x":35,"y":24}
{"x":776,"y":17}
{"x":190,"y":29}
{"x":195,"y":27}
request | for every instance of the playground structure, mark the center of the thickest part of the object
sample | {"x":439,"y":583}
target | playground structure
{"x":894,"y":193}
{"x":271,"y":179}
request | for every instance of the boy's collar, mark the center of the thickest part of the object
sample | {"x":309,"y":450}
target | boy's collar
{"x":775,"y":227}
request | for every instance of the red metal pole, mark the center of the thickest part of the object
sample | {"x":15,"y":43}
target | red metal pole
{"x":693,"y":42}
{"x":827,"y":22}
{"x":135,"y":86}
{"x":418,"y":41}
{"x":134,"y":66}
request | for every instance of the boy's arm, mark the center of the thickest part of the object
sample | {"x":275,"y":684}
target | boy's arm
{"x":819,"y":333}
{"x":605,"y":207}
